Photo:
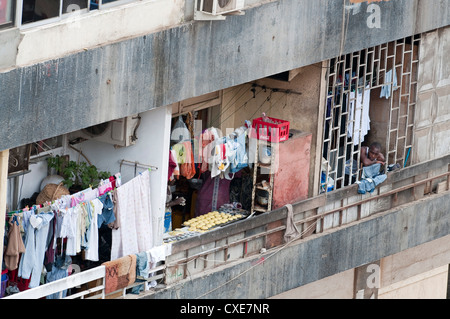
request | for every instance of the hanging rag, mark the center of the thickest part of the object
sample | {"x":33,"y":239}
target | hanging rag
{"x":187,"y":169}
{"x":291,"y":229}
{"x":59,"y":271}
{"x":239,"y":158}
{"x":387,"y":89}
{"x":15,"y":245}
{"x":31,"y":262}
{"x":142,"y":266}
{"x":220,"y":161}
{"x":206,"y":148}
{"x":120,"y":273}
{"x":134,"y":213}
{"x":142,"y":271}
{"x":359,"y":119}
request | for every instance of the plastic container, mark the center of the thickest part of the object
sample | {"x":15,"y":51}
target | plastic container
{"x":278,"y":131}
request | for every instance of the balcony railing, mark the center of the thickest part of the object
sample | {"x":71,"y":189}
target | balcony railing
{"x":249,"y":237}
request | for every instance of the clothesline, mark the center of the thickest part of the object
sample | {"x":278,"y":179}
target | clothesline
{"x":72,"y":222}
{"x":34,"y":207}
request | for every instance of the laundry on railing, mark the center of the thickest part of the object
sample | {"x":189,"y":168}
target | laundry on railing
{"x":370,"y":178}
{"x":124,"y":271}
{"x":120,"y":273}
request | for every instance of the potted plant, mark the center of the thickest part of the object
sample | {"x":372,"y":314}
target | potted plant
{"x":77,"y":176}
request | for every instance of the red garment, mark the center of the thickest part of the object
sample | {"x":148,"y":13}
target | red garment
{"x":21,"y":283}
{"x":187,"y":169}
{"x":172,"y":164}
{"x":112,"y":179}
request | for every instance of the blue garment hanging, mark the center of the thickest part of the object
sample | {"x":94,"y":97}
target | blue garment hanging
{"x":386,"y":89}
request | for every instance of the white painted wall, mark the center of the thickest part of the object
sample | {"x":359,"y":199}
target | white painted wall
{"x":432,"y":118}
{"x":152,"y":148}
{"x":29,"y":183}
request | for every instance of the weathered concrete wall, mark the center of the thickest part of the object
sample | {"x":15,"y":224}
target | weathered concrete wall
{"x":37,"y":43}
{"x":416,"y":273}
{"x":432,"y":121}
{"x":323,"y":255}
{"x":9,"y":42}
{"x":138,"y":74}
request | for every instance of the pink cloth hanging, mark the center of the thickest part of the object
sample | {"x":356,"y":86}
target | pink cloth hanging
{"x":134,"y":214}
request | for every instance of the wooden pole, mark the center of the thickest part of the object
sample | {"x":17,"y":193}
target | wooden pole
{"x":4,"y":156}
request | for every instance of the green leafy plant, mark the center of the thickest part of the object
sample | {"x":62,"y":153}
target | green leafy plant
{"x":77,"y":175}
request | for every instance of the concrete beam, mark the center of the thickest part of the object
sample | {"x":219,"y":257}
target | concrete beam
{"x":135,"y":75}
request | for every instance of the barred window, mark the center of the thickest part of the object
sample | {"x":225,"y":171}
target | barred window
{"x":371,"y":97}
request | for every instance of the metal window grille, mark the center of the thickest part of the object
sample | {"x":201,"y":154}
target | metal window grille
{"x":357,"y":113}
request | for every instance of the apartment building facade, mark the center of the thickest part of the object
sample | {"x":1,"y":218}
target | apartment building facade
{"x":82,"y":64}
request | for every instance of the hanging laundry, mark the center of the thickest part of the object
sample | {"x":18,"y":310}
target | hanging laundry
{"x":104,"y":187}
{"x":359,"y":119}
{"x":214,"y":193}
{"x":184,"y":157}
{"x":32,"y":260}
{"x":50,"y":252}
{"x":239,"y":156}
{"x":84,"y":196}
{"x":71,"y":229}
{"x":187,"y":169}
{"x":388,"y":88}
{"x":176,"y":169}
{"x":156,"y":255}
{"x":15,"y":244}
{"x":220,"y":160}
{"x":135,"y":217}
{"x":120,"y":273}
{"x":71,"y":220}
{"x":107,"y":214}
{"x":59,"y":271}
{"x":91,"y":252}
{"x":180,"y":153}
{"x":206,"y":147}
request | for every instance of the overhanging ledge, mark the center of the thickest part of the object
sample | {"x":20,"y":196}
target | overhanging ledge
{"x":321,"y":255}
{"x":135,"y":75}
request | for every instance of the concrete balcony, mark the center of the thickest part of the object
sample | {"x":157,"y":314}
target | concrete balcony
{"x":250,"y":259}
{"x":52,"y":68}
{"x":339,"y":231}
